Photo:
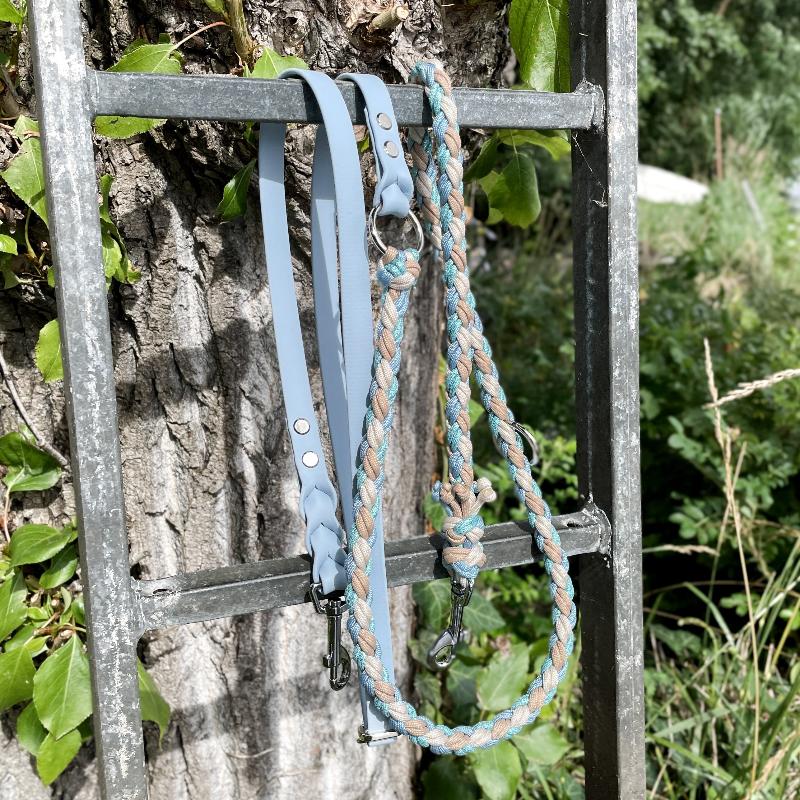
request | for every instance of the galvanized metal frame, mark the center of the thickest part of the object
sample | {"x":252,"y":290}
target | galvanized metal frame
{"x":601,"y":112}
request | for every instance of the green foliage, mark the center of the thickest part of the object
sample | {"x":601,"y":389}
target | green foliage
{"x":140,"y":56}
{"x":10,"y":13}
{"x":48,"y":352}
{"x":42,"y":656}
{"x":539,"y":33}
{"x":27,"y":467}
{"x":693,"y":60}
{"x":234,"y":195}
{"x":271,"y":64}
{"x":24,"y":174}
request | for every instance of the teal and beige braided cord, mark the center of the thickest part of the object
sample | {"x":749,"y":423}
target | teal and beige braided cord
{"x":437,"y":161}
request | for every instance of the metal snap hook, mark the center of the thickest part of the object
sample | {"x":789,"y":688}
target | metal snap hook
{"x":375,"y":236}
{"x":443,"y":652}
{"x":337,"y":659}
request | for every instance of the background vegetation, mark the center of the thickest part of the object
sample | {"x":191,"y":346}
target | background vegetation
{"x":721,"y":487}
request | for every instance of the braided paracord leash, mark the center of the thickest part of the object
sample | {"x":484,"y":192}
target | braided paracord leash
{"x":438,"y":176}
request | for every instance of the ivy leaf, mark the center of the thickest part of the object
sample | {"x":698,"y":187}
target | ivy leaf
{"x":29,"y":468}
{"x":162,"y":58}
{"x":514,"y":193}
{"x":217,"y":6}
{"x":480,"y":616}
{"x":61,"y":568}
{"x":62,"y":690}
{"x":48,"y":352}
{"x":497,"y":771}
{"x":433,"y":601}
{"x":271,"y":64}
{"x":13,"y":610}
{"x":8,"y":244}
{"x":55,"y":755}
{"x":153,"y":706}
{"x":30,"y":731}
{"x":25,"y":176}
{"x":555,"y":142}
{"x":461,"y":677}
{"x":539,"y":34}
{"x":541,"y":744}
{"x":32,"y":544}
{"x":234,"y":195}
{"x":16,"y":677}
{"x":485,"y":161}
{"x":10,"y":13}
{"x":503,"y":679}
{"x":445,"y":779}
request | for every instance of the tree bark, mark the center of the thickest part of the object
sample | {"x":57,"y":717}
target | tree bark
{"x":208,"y":474}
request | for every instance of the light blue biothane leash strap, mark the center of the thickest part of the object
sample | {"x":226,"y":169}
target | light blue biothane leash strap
{"x":345,"y":349}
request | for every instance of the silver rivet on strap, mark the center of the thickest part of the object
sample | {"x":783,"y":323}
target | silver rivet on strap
{"x":310,"y":458}
{"x":384,"y":121}
{"x":301,"y":426}
{"x":390,"y":148}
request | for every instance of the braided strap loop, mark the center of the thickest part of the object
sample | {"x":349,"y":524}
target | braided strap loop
{"x":437,"y":162}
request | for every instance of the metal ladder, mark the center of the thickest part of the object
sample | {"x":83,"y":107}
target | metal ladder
{"x":601,"y":112}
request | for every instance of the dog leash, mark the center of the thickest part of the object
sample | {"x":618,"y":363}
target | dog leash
{"x":344,"y":337}
{"x":438,"y":174}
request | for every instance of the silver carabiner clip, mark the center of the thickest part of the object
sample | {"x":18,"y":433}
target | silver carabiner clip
{"x":337,"y":660}
{"x":443,"y":652}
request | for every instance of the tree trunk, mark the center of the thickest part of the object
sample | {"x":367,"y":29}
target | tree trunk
{"x":208,"y":474}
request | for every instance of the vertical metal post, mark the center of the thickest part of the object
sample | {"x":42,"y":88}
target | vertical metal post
{"x":72,"y":205}
{"x":603,"y":43}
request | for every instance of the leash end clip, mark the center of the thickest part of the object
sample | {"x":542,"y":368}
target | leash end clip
{"x":337,"y":660}
{"x":443,"y":652}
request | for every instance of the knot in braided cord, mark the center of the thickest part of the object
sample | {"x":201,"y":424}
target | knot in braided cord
{"x":463,"y":527}
{"x":438,"y":173}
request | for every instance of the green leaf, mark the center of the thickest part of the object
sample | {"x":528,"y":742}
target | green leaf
{"x":541,"y":744}
{"x":61,"y":568}
{"x":154,"y":707}
{"x":539,"y":33}
{"x":481,"y":166}
{"x":555,"y":142}
{"x":271,"y":64}
{"x":29,"y":468}
{"x":476,"y":411}
{"x":55,"y":755}
{"x":13,"y":610}
{"x":497,"y":770}
{"x":433,"y":600}
{"x":10,"y":13}
{"x":480,"y":616}
{"x":16,"y":677}
{"x":234,"y":195}
{"x":217,"y":6}
{"x":504,"y":678}
{"x":461,"y":677}
{"x":48,"y":351}
{"x":116,"y":262}
{"x":162,"y":58}
{"x":445,"y":779}
{"x":25,"y":637}
{"x":32,"y":544}
{"x":515,"y":191}
{"x":30,"y":731}
{"x":25,"y":176}
{"x":24,"y":126}
{"x":62,"y":690}
{"x":8,"y":244}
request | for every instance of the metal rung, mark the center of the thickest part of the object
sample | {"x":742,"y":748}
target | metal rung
{"x":225,"y":97}
{"x":263,"y":585}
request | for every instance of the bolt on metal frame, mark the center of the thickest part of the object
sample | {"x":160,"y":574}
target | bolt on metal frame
{"x":601,"y":112}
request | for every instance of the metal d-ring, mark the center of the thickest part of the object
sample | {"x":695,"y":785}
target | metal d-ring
{"x":375,"y":237}
{"x":529,"y":439}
